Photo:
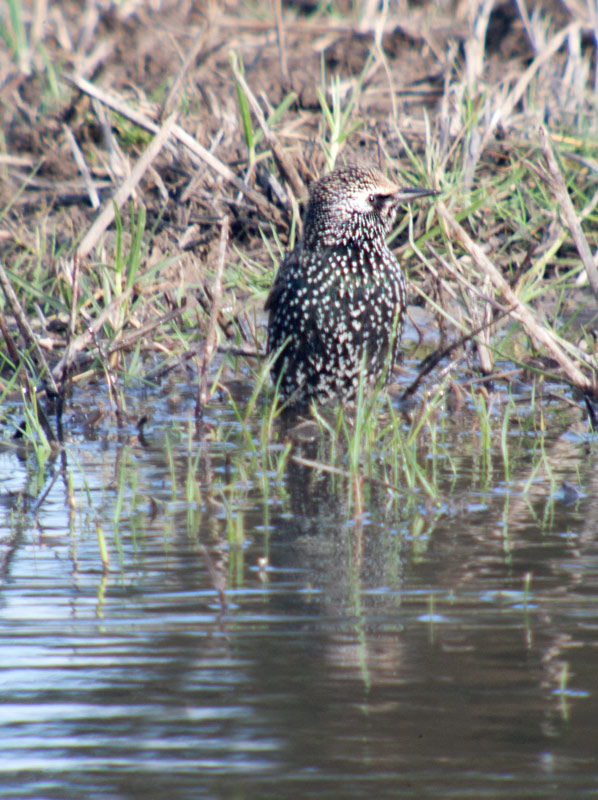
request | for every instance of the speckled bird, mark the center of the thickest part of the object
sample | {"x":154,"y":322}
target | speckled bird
{"x":338,"y":299}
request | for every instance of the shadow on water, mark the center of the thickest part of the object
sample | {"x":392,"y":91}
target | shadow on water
{"x":265,"y":632}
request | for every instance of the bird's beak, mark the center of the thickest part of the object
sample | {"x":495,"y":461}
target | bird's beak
{"x":408,"y":193}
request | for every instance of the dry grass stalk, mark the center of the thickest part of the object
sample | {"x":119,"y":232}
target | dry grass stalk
{"x":505,"y":109}
{"x":432,"y":361}
{"x":221,"y":169}
{"x":415,"y":28}
{"x":114,"y":102}
{"x":11,"y":347}
{"x":483,"y":319}
{"x":476,"y":44}
{"x":555,"y":180}
{"x":26,"y":330}
{"x":471,"y":289}
{"x":554,"y":344}
{"x":210,"y":347}
{"x":285,"y":164}
{"x":480,"y":317}
{"x":192,"y":54}
{"x":72,"y":326}
{"x":124,"y":191}
{"x":506,"y":105}
{"x":94,"y":198}
{"x":282,"y":50}
{"x":84,"y":339}
{"x":111,"y":380}
{"x":126,"y":342}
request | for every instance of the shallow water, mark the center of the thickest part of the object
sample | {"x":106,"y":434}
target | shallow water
{"x":425,"y":647}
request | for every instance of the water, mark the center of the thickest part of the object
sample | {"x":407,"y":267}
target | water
{"x":425,"y":647}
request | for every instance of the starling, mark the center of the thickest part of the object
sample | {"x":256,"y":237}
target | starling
{"x":338,"y":299}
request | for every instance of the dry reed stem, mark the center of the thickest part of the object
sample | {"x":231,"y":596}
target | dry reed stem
{"x":221,"y":169}
{"x":558,"y":233}
{"x":482,"y":317}
{"x":505,"y":107}
{"x":553,"y":343}
{"x":40,"y":15}
{"x":527,"y":26}
{"x":558,"y":186}
{"x":210,"y":347}
{"x":113,"y":101}
{"x":111,"y":380}
{"x":471,"y":289}
{"x":468,"y":295}
{"x":125,"y":190}
{"x":88,"y":64}
{"x":16,"y":161}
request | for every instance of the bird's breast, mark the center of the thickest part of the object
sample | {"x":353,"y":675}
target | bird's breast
{"x":344,"y":268}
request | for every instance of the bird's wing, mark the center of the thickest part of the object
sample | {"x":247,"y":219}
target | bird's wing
{"x":281,"y":281}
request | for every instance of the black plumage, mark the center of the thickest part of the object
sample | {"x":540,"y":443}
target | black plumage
{"x":338,"y":299}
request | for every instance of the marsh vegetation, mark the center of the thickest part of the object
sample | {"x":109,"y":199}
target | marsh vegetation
{"x":200,"y":596}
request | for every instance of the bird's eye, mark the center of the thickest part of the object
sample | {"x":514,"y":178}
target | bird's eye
{"x":372,"y":199}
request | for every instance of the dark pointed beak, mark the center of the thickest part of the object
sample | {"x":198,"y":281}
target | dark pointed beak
{"x":408,"y":193}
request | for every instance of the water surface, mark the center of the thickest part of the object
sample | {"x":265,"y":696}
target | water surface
{"x":256,"y":636}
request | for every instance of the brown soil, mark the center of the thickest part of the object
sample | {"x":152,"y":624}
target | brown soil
{"x":140,"y":53}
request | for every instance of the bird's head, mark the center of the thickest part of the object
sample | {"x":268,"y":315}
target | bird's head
{"x":354,"y":202}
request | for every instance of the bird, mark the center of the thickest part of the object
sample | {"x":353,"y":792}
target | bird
{"x":336,"y":307}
